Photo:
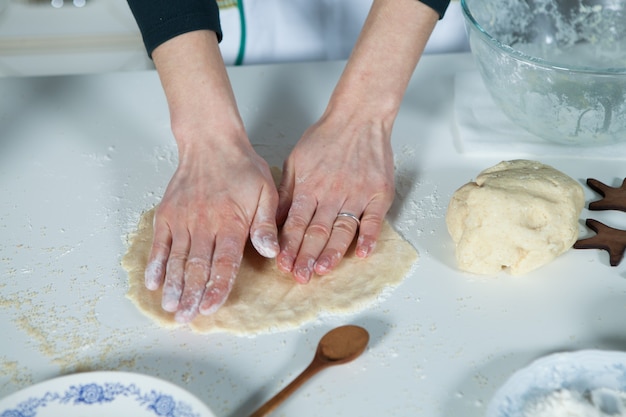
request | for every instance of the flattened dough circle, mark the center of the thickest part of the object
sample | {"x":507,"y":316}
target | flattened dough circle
{"x":264,"y":299}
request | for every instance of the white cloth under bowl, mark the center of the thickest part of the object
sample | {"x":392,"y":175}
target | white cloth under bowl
{"x":482,"y":128}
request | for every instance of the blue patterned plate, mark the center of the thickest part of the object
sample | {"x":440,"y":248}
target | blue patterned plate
{"x":580,"y":372}
{"x":103,"y":394}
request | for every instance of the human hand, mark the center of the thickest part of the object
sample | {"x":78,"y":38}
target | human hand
{"x":344,"y":163}
{"x":339,"y":166}
{"x":213,"y":202}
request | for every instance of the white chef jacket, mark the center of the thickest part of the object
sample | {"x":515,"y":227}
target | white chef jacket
{"x":265,"y":31}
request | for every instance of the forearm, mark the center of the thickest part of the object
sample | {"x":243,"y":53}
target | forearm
{"x":384,"y":58}
{"x":202,"y":105}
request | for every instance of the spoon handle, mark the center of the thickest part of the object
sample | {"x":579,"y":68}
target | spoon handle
{"x":275,"y":401}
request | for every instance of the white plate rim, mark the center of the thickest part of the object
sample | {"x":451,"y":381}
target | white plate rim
{"x":162,"y":397}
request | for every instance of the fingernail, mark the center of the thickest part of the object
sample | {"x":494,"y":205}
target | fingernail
{"x":285,"y":263}
{"x":169,"y":303}
{"x":322,"y":266}
{"x":184,"y":316}
{"x":213,"y":306}
{"x":364,"y":249}
{"x":213,"y":298}
{"x":171,"y":298}
{"x":266,"y":245}
{"x":303,"y":274}
{"x":153,"y":275}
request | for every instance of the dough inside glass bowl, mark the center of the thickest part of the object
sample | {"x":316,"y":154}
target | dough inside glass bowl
{"x":557,"y":68}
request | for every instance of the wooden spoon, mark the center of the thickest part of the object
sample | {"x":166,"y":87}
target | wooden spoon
{"x":340,"y":345}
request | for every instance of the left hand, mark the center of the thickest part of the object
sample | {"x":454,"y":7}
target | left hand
{"x":342,"y":164}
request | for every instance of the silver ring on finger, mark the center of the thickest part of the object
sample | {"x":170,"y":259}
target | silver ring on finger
{"x":352,"y":216}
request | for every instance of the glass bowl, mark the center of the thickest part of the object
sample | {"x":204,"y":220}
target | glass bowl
{"x":557,"y":68}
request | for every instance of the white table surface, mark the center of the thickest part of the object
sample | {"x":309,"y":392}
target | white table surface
{"x":82,"y":156}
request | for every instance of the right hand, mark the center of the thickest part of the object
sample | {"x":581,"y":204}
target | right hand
{"x":222,"y":191}
{"x":214,"y":201}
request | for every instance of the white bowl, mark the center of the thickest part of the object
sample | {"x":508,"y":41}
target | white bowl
{"x":580,"y":372}
{"x":98,"y":394}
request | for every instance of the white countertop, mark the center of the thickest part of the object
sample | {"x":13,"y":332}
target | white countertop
{"x":82,"y":156}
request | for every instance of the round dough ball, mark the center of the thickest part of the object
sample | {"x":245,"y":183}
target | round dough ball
{"x":517,"y":215}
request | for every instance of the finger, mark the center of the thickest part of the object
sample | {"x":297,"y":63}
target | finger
{"x":174,"y":272}
{"x":344,"y":230}
{"x":224,"y":269}
{"x":370,"y":228}
{"x":157,"y":260}
{"x":263,"y":231}
{"x":317,"y":234}
{"x":197,"y":272}
{"x":292,"y":233}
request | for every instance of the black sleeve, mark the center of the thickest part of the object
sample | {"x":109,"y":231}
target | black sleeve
{"x":161,"y":20}
{"x":439,"y":6}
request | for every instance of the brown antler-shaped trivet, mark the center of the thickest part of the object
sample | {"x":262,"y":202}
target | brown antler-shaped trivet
{"x":607,"y":238}
{"x":613,"y":198}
